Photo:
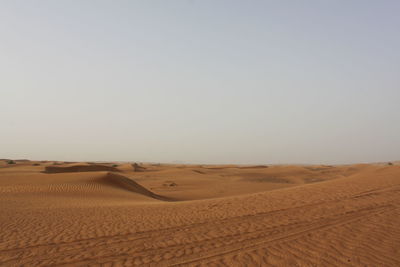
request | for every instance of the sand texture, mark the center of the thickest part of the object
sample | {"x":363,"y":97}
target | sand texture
{"x":119,"y":214}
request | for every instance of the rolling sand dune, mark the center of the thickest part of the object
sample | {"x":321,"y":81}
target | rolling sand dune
{"x":192,"y":215}
{"x":129,"y":184}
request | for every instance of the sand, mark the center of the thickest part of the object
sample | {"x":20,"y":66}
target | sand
{"x":80,"y":214}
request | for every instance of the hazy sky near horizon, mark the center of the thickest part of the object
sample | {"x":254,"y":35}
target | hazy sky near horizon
{"x":200,"y":81}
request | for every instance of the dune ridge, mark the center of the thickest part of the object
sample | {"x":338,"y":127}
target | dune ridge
{"x":130,"y":185}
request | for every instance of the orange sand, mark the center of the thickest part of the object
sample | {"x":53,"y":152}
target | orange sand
{"x":191,"y":215}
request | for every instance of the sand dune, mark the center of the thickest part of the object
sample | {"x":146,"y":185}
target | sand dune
{"x":79,"y":168}
{"x":129,"y":184}
{"x":221,"y":215}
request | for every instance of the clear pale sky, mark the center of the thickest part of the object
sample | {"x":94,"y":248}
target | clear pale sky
{"x":200,"y":81}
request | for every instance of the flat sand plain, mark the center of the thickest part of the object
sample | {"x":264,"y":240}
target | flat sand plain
{"x":99,"y":214}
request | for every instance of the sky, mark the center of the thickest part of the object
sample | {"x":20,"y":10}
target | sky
{"x":241,"y":82}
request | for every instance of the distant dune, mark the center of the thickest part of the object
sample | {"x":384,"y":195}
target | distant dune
{"x":80,"y":214}
{"x":79,"y":168}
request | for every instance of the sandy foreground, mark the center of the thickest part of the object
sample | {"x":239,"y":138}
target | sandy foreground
{"x":80,"y":214}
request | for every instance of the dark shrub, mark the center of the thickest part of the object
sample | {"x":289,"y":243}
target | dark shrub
{"x":11,"y":162}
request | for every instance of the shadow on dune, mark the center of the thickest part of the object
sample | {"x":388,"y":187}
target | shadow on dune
{"x":122,"y":182}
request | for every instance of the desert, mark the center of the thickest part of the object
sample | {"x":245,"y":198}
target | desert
{"x":199,"y":133}
{"x":129,"y":214}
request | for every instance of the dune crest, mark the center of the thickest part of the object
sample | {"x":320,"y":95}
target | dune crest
{"x":128,"y":184}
